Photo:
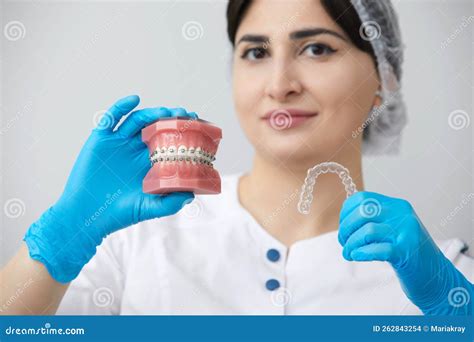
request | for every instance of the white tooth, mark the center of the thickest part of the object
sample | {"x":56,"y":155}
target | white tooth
{"x":171,"y":153}
{"x":195,"y":155}
{"x":200,"y":155}
{"x":154,"y":156}
{"x":161,"y":156}
{"x":191,"y":155}
{"x":198,"y":151}
{"x":189,"y":152}
{"x":182,"y":152}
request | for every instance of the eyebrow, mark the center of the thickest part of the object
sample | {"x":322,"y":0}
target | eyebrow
{"x":300,"y":34}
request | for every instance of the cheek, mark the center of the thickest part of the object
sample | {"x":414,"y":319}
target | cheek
{"x":246,"y":94}
{"x":345,"y":91}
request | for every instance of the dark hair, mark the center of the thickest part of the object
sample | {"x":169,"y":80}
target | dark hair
{"x":341,"y":11}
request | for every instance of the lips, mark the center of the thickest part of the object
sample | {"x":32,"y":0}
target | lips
{"x":289,"y":111}
{"x":284,"y":118}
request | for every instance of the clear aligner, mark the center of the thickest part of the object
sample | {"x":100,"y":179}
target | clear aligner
{"x":306,"y":195}
{"x":194,"y":155}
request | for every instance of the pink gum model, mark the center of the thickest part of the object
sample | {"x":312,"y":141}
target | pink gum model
{"x":182,"y":150}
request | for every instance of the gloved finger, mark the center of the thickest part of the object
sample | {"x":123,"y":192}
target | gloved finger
{"x":369,"y":233}
{"x":182,"y":112}
{"x":178,"y":111}
{"x":164,"y":205}
{"x":139,"y":119}
{"x":355,"y":200}
{"x":374,"y":252}
{"x":351,"y":224}
{"x":368,"y":210}
{"x":112,"y":116}
{"x":193,"y":115}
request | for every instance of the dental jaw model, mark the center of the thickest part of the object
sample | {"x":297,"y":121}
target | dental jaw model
{"x":306,"y":195}
{"x":182,"y":151}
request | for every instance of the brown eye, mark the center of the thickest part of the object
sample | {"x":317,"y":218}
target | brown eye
{"x":318,"y":49}
{"x":254,"y":53}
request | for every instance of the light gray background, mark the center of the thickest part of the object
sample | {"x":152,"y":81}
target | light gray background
{"x":74,"y":59}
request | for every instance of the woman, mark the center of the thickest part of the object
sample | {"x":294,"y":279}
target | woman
{"x":312,"y":83}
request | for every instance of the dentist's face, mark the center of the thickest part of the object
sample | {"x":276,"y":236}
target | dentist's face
{"x":280,"y":65}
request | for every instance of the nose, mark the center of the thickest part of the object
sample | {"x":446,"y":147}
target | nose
{"x":283,"y":83}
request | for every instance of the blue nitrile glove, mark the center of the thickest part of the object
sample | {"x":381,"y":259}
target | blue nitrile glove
{"x":377,"y":227}
{"x":103,"y":193}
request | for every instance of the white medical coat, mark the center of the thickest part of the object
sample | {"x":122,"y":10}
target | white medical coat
{"x":211,"y":258}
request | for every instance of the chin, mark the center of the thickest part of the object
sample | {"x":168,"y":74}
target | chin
{"x":293,"y":152}
{"x":288,"y":150}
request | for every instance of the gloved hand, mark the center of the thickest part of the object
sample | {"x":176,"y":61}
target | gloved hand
{"x":377,"y":227}
{"x":103,"y":193}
